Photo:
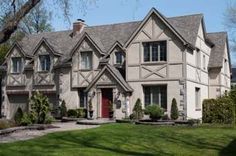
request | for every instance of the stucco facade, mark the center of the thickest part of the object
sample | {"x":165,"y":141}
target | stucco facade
{"x":117,"y":68}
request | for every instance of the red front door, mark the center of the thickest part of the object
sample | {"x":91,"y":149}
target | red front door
{"x":106,"y":97}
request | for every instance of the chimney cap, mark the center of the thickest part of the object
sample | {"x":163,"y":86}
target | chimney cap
{"x":80,"y":20}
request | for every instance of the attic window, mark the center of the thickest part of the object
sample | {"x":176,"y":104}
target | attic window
{"x":44,"y":63}
{"x":16,"y":65}
{"x":119,"y":57}
{"x":154,"y":51}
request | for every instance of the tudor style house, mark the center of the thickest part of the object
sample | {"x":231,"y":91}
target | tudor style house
{"x":156,"y":59}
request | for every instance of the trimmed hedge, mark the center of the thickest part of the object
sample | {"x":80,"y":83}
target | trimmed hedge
{"x":72,"y":113}
{"x":221,"y":110}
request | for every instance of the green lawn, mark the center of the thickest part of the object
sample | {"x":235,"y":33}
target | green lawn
{"x":127,"y":139}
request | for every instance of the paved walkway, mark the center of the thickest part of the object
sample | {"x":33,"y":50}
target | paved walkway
{"x":30,"y":134}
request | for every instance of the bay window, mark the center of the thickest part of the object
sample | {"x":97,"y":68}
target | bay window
{"x":86,"y":60}
{"x":154,"y":51}
{"x":155,"y":95}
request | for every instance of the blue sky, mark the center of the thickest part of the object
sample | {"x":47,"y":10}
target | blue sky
{"x":116,"y":11}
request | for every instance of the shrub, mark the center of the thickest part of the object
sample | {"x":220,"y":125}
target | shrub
{"x":40,"y":106}
{"x":63,"y":108}
{"x":81,"y":113}
{"x":26,"y":120}
{"x":6,"y":124}
{"x":131,"y":116}
{"x":221,"y":110}
{"x":165,"y":117}
{"x":174,"y":110}
{"x":154,"y":111}
{"x":18,"y":115}
{"x":192,"y":122}
{"x":49,"y":119}
{"x":137,"y":110}
{"x":72,"y":113}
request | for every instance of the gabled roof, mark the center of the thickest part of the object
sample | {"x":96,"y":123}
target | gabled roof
{"x":115,"y":74}
{"x":217,"y":52}
{"x":16,"y":44}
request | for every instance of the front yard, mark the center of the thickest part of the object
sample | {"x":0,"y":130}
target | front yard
{"x":128,"y":139}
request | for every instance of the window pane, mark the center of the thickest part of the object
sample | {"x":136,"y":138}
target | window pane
{"x":82,"y":97}
{"x":154,"y":52}
{"x":163,"y":51}
{"x":146,"y":52}
{"x":86,"y":60}
{"x":118,"y":57}
{"x":147,"y":96}
{"x":163,"y":93}
{"x":16,"y":65}
{"x":45,"y":62}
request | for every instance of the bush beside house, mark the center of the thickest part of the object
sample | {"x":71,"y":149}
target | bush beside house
{"x":137,"y":110}
{"x":174,"y":110}
{"x":18,"y":116}
{"x":154,"y":111}
{"x":221,"y":110}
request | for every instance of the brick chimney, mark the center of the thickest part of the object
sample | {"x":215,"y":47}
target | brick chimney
{"x":78,"y":26}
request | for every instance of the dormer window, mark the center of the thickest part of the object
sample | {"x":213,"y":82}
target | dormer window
{"x":86,"y":60}
{"x":154,"y":51}
{"x":44,"y":63}
{"x":119,"y":57}
{"x":16,"y":65}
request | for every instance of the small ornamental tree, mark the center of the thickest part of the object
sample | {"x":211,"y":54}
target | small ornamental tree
{"x":137,"y":110}
{"x":40,"y":106}
{"x":18,"y":116}
{"x":174,"y":110}
{"x":63,"y":109}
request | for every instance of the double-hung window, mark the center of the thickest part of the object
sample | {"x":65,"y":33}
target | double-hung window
{"x":155,"y":95}
{"x":82,"y":98}
{"x":16,"y":65}
{"x":154,"y":51}
{"x":86,"y":60}
{"x":44,"y":62}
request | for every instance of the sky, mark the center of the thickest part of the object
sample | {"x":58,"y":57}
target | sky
{"x":116,"y":11}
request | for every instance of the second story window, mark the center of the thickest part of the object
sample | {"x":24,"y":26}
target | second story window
{"x":198,"y":58}
{"x":16,"y":65}
{"x":44,"y":63}
{"x":154,"y":51}
{"x":118,"y":58}
{"x":86,"y":60}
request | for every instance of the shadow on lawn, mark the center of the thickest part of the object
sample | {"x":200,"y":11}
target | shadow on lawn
{"x":229,"y":150}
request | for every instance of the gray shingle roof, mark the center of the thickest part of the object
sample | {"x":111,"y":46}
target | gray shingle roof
{"x":187,"y":26}
{"x":217,"y":52}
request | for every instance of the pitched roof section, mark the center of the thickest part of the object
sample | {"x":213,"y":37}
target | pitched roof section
{"x":187,"y":26}
{"x":116,"y":75}
{"x":217,"y":52}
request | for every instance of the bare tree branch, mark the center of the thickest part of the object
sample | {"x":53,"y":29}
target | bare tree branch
{"x":12,"y":23}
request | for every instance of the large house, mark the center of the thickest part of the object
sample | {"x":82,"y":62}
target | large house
{"x":156,"y":59}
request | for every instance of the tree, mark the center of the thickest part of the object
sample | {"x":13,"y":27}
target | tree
{"x":174,"y":110}
{"x":137,"y":110}
{"x":14,"y":11}
{"x":230,"y":23}
{"x":39,"y":106}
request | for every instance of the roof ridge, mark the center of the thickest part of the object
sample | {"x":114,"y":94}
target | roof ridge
{"x":225,"y":32}
{"x":114,"y":24}
{"x":197,"y":14}
{"x":42,"y":33}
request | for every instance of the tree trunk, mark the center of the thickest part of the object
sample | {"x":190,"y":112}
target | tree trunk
{"x":11,"y":25}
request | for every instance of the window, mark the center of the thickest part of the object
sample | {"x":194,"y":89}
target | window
{"x":197,"y":98}
{"x":82,"y":98}
{"x":45,"y":63}
{"x":119,"y":57}
{"x":198,"y":60}
{"x":225,"y":66}
{"x":154,"y":51}
{"x":16,"y":65}
{"x":155,"y":95}
{"x":86,"y":60}
{"x":204,"y":62}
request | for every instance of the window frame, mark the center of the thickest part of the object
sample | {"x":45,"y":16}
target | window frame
{"x":198,"y":58}
{"x":91,"y":59}
{"x":197,"y":98}
{"x":19,"y":66}
{"x":43,"y":68}
{"x":148,"y":51}
{"x":158,"y":89}
{"x":121,"y":57}
{"x":84,"y":99}
{"x":204,"y":62}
